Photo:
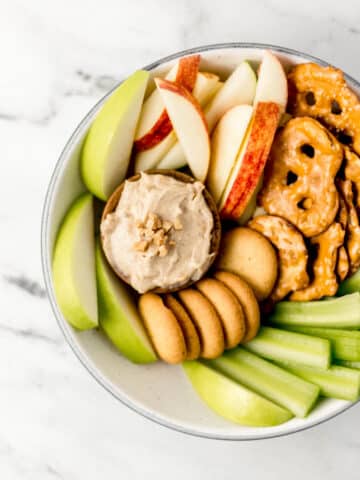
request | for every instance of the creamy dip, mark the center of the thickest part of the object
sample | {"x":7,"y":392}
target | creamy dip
{"x":159,"y":235}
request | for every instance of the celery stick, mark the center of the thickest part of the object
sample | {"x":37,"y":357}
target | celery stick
{"x":345,"y":344}
{"x":348,"y":363}
{"x":281,"y":345}
{"x":268,"y":380}
{"x":342,"y":312}
{"x":350,"y":285}
{"x":336,"y":382}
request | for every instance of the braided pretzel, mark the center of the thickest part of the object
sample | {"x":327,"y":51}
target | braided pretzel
{"x":299,"y":178}
{"x":322,"y":93}
{"x":291,"y":250}
{"x":353,"y":228}
{"x":325,"y":281}
{"x":352,"y":172}
{"x":342,"y":265}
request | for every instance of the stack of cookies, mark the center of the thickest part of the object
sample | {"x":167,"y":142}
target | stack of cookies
{"x":215,"y":314}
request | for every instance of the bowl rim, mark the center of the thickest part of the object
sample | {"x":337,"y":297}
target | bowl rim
{"x":46,"y":260}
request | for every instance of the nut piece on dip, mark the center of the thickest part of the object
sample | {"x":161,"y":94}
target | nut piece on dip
{"x":163,"y":234}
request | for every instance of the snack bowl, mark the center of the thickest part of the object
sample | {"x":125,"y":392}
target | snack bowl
{"x":182,"y":177}
{"x":159,"y":392}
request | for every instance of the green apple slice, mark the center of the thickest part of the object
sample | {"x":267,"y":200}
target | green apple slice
{"x":74,"y":265}
{"x":118,"y":315}
{"x":232,"y":400}
{"x":107,"y":148}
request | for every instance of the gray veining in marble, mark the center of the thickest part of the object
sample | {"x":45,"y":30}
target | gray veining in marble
{"x":57,"y":60}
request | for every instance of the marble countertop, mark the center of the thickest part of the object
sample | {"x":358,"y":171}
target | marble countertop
{"x":57,"y":59}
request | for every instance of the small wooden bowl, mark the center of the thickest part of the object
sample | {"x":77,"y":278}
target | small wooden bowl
{"x":182,"y":177}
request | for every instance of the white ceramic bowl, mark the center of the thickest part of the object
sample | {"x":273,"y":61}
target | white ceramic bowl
{"x":159,"y":392}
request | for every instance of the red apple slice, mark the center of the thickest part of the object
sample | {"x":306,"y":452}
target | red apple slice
{"x":207,"y":85}
{"x":225,"y":145}
{"x":272,"y":82}
{"x":186,"y":75}
{"x":187,"y":71}
{"x":238,"y":89}
{"x":153,"y":106}
{"x":251,"y":160}
{"x":250,"y":209}
{"x":158,"y":132}
{"x":189,"y":125}
{"x":169,"y":149}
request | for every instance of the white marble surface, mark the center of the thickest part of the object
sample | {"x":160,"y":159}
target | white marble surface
{"x":57,"y":59}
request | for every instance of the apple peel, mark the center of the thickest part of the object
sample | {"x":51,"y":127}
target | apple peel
{"x":251,"y":160}
{"x":185,"y":76}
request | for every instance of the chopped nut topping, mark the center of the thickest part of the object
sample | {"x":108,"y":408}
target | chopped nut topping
{"x":155,"y":231}
{"x":177,"y":224}
{"x":163,"y":251}
{"x":153,"y":222}
{"x":167,"y":226}
{"x":141,"y":246}
{"x":147,"y":233}
{"x":159,"y":238}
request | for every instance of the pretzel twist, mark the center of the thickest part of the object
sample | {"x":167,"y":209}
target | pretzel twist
{"x":299,"y":178}
{"x":325,"y":282}
{"x":291,"y":250}
{"x":322,"y":93}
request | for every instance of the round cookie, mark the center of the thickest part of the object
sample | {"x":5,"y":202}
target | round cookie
{"x":249,"y":254}
{"x":206,"y":320}
{"x":188,"y":329}
{"x":163,"y":328}
{"x":248,"y":301}
{"x":228,"y":308}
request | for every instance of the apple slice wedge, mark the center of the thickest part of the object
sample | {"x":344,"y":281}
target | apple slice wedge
{"x":272,"y":82}
{"x":169,"y":148}
{"x":232,"y":400}
{"x":207,"y":85}
{"x":107,"y":147}
{"x":73,"y":265}
{"x":250,"y":208}
{"x":225,"y":145}
{"x":251,"y":160}
{"x":148,"y":159}
{"x":154,"y":113}
{"x":189,"y":125}
{"x":153,"y":107}
{"x":238,"y":89}
{"x":118,"y":315}
{"x":174,"y":159}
